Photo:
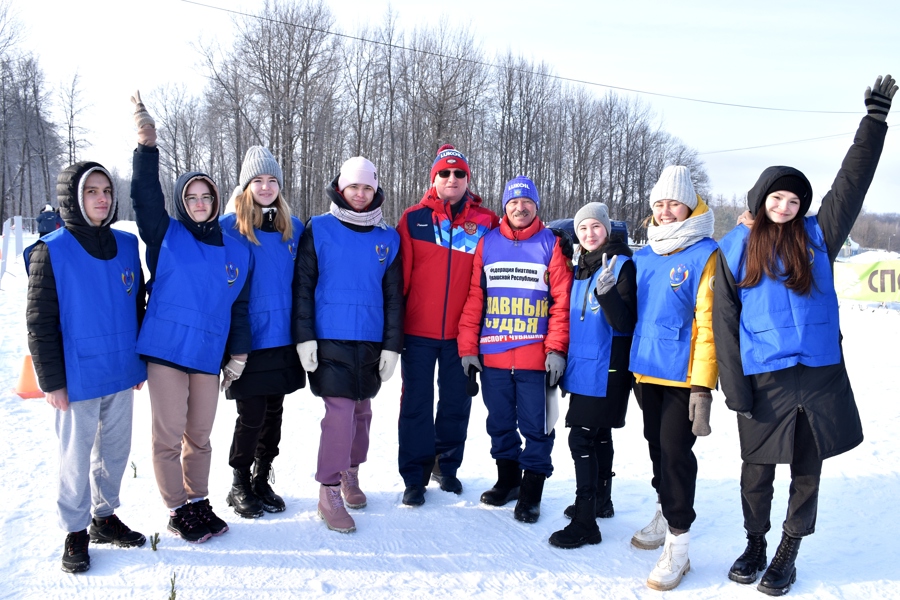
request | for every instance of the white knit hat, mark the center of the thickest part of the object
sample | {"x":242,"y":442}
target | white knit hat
{"x":675,"y":184}
{"x":357,"y":170}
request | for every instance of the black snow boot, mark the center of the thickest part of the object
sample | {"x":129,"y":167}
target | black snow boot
{"x":748,"y":565}
{"x":262,"y":473}
{"x":110,"y":530}
{"x":241,"y":496}
{"x":583,"y":528}
{"x":509,"y":478}
{"x":604,"y":501}
{"x":528,"y":508}
{"x":448,"y":483}
{"x":777,"y":579}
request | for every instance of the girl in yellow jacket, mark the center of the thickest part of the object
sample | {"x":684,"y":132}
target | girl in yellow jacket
{"x":673,"y":360}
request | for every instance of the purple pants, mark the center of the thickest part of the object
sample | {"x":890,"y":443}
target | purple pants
{"x":345,"y":437}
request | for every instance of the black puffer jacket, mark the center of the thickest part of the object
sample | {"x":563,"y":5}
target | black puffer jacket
{"x":619,"y":307}
{"x":153,"y":222}
{"x":823,"y":394}
{"x":347,"y":369}
{"x":42,"y":308}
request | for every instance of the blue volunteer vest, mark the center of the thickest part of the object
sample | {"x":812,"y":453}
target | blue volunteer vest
{"x":590,"y":338}
{"x":97,"y":315}
{"x":667,"y":288}
{"x":189,"y":313}
{"x":270,"y":286}
{"x":780,"y":328}
{"x":352,"y":264}
{"x":517,"y":298}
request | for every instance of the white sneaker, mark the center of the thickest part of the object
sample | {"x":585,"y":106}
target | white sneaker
{"x":653,"y":535}
{"x":673,"y":563}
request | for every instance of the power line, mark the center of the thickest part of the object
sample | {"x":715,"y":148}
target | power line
{"x":824,"y":137}
{"x":522,"y":71}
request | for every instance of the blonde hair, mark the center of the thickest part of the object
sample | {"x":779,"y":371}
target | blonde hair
{"x":249,"y":216}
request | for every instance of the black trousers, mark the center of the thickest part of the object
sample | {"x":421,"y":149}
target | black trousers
{"x":257,"y":430}
{"x":592,"y":451}
{"x":757,"y":487}
{"x":667,"y":430}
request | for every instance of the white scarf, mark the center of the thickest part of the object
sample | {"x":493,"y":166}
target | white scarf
{"x":372,"y":218}
{"x":665,"y":239}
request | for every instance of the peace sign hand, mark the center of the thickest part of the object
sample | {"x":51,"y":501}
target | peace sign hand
{"x":607,"y":278}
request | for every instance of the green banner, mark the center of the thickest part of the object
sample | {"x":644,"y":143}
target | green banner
{"x":870,"y":282}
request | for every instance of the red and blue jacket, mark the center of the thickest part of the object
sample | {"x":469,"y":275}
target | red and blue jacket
{"x":437,"y":251}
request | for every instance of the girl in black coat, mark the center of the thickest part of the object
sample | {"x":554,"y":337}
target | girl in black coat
{"x":775,"y":321}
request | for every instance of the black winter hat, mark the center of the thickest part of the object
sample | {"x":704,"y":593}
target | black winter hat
{"x":69,"y":185}
{"x":778,"y":178}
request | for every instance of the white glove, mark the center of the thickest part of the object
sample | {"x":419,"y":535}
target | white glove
{"x":232,"y":372}
{"x":607,"y":278}
{"x":387,"y":364}
{"x":308,"y":353}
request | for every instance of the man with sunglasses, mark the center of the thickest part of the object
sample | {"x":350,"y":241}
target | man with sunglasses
{"x":438,"y":237}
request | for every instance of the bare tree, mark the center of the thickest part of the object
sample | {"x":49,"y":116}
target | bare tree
{"x":70,"y":100}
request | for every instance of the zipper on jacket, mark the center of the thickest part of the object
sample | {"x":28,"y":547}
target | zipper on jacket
{"x":449,"y":264}
{"x":586,"y":293}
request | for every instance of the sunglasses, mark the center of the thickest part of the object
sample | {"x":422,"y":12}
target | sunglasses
{"x":459,"y":173}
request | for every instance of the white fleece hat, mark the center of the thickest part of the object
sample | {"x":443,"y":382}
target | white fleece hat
{"x":675,"y":184}
{"x":358,"y":170}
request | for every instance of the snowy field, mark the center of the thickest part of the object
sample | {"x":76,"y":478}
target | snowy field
{"x":453,"y":546}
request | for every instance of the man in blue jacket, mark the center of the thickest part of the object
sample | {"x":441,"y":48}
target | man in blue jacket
{"x":85,"y":301}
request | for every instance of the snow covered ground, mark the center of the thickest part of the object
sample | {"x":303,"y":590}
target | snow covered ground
{"x":452,"y":547}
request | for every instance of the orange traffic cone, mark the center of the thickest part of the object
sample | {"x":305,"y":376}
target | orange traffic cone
{"x":28,"y":386}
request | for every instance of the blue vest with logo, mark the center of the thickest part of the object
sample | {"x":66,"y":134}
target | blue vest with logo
{"x":97,"y":315}
{"x":352,"y":264}
{"x":780,"y":328}
{"x":270,"y":287}
{"x":667,"y":288}
{"x":590,"y":338}
{"x":189,"y":313}
{"x":517,"y":298}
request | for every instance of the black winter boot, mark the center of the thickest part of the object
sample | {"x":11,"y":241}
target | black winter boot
{"x":748,"y":565}
{"x":241,"y":496}
{"x":509,"y":478}
{"x":262,"y":473}
{"x":75,"y":558}
{"x":781,"y":573}
{"x":604,"y":501}
{"x":528,"y":508}
{"x":110,"y":530}
{"x":583,"y":528}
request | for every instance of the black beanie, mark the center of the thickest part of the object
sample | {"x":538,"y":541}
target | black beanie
{"x":796,"y":185}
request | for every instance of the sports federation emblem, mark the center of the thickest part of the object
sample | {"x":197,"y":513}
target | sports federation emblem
{"x":470,"y":227}
{"x":451,"y":161}
{"x":547,"y":277}
{"x":231,"y":273}
{"x":812,"y":255}
{"x":128,"y":280}
{"x":678,"y":276}
{"x":381,"y":251}
{"x":292,"y":249}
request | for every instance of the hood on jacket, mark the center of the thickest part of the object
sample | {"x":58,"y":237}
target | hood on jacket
{"x":756,"y":197}
{"x":69,"y":187}
{"x":334,"y":195}
{"x":202,"y":231}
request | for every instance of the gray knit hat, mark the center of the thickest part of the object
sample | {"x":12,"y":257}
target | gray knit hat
{"x":675,"y":184}
{"x":259,"y":161}
{"x":593,"y":210}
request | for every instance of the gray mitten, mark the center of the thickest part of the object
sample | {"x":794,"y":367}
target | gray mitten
{"x":555,"y":366}
{"x":878,"y":97}
{"x":469,"y":362}
{"x":698,"y":413}
{"x":607,"y":278}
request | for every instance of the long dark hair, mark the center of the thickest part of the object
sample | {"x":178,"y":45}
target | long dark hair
{"x":768,"y":242}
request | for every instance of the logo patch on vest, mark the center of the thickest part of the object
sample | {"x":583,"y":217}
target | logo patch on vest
{"x":470,"y":227}
{"x":292,"y":249}
{"x":128,"y":280}
{"x":547,"y":278}
{"x":812,"y":255}
{"x":678,"y":276}
{"x":381,"y":251}
{"x":231,"y":273}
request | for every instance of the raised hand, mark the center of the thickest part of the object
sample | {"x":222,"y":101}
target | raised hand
{"x":607,"y":278}
{"x":879,"y":96}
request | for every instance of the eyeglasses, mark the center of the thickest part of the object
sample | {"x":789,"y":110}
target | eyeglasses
{"x":195,"y":200}
{"x":459,"y":173}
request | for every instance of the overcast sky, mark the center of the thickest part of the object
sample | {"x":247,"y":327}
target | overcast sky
{"x":812,"y":55}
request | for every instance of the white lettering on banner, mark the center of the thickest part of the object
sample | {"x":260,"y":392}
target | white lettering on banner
{"x":511,"y":274}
